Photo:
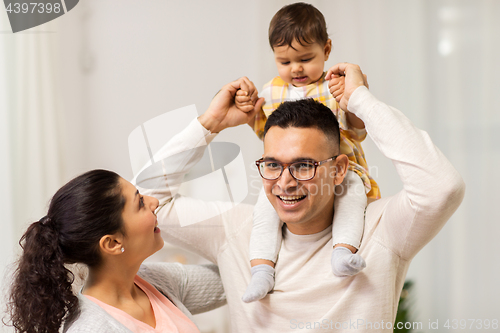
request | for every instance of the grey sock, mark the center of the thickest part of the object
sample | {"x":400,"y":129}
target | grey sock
{"x":261,"y":283}
{"x":346,"y":263}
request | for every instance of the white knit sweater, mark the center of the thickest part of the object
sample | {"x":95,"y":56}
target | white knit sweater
{"x":307,"y":296}
{"x":192,"y":288}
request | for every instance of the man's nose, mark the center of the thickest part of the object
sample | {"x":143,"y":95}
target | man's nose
{"x":286,"y":181}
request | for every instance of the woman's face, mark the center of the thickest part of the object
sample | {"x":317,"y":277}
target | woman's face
{"x":143,"y":236}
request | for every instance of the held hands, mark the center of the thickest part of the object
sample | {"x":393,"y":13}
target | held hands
{"x":223,"y":111}
{"x":246,"y":97}
{"x":344,"y":79}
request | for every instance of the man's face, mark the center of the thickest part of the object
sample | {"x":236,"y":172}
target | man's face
{"x":305,"y":206}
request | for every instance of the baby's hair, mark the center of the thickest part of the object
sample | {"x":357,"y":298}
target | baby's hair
{"x":299,"y":21}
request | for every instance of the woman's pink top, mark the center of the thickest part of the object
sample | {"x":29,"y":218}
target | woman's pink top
{"x":168,"y":317}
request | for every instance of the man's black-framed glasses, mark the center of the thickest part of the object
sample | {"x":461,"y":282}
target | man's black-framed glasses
{"x":300,"y":170}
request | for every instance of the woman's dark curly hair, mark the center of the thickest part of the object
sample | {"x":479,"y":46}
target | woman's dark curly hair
{"x":80,"y":213}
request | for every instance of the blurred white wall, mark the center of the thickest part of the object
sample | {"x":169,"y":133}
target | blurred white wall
{"x":123,"y":62}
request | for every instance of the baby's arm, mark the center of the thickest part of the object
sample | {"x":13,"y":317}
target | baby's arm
{"x":265,"y":242}
{"x":245,"y":100}
{"x":336,"y":85}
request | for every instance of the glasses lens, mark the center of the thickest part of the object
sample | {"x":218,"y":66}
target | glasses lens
{"x":303,"y":170}
{"x":270,"y":169}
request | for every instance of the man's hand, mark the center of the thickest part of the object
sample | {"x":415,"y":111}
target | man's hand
{"x":223,"y":112}
{"x":344,"y":79}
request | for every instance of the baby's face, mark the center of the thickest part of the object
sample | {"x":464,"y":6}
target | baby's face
{"x":301,"y":65}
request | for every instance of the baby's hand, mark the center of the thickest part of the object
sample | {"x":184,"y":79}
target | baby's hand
{"x":245,"y":98}
{"x":336,"y":85}
{"x":344,"y":80}
{"x":243,"y":101}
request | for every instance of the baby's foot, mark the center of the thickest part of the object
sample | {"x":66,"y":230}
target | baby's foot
{"x":261,"y":283}
{"x":346,"y":263}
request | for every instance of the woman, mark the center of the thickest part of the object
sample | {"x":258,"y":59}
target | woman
{"x":101,"y":220}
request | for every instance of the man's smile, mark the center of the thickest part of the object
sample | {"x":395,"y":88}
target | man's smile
{"x":291,"y":199}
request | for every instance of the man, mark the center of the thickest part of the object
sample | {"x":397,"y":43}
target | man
{"x":306,"y":295}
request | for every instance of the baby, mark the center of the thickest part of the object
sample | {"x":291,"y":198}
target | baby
{"x":299,"y":39}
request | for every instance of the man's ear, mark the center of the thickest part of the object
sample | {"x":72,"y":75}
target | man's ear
{"x":328,"y":48}
{"x":111,"y":244}
{"x":341,"y":168}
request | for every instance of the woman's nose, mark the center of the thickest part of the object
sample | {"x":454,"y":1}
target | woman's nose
{"x":154,"y":203}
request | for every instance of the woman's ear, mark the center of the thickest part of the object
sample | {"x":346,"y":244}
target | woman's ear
{"x":111,"y":244}
{"x":340,"y":168}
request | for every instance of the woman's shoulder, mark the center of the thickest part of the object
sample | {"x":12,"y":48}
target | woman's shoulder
{"x":166,"y":277}
{"x":173,"y":278}
{"x":192,"y":288}
{"x":93,"y":319}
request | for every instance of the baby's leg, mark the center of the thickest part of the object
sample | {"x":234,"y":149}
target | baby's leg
{"x":265,"y":243}
{"x":348,"y":225}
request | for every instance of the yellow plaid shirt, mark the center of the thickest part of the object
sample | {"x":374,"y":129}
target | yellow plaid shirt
{"x":277,"y":91}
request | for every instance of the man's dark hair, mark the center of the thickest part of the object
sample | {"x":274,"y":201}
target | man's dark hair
{"x":306,"y":113}
{"x":299,"y":21}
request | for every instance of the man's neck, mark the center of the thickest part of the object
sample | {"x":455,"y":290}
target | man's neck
{"x":309,"y":228}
